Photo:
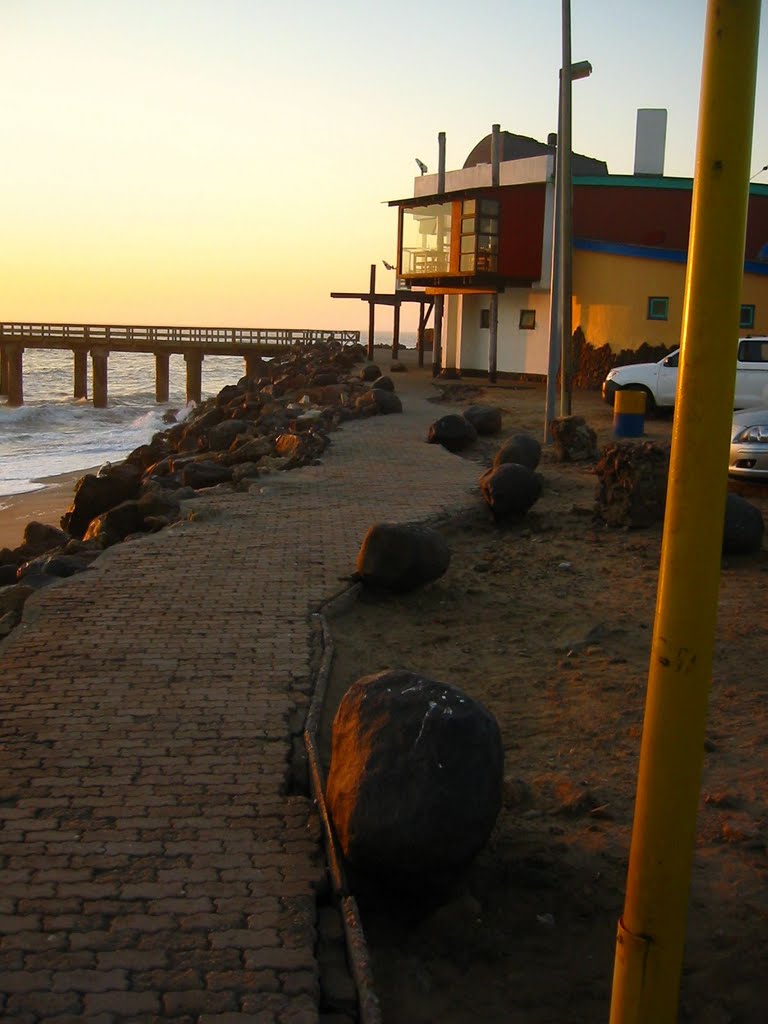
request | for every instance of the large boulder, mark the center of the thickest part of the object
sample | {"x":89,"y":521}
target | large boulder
{"x":453,"y":432}
{"x":486,"y":419}
{"x":95,"y":494}
{"x":205,"y":473}
{"x":522,"y":449}
{"x":743,"y":527}
{"x":39,"y":537}
{"x":632,"y":483}
{"x":574,"y":440}
{"x":401,"y":556}
{"x":223,"y":434}
{"x":385,"y":383}
{"x":370,"y":372}
{"x":378,"y":400}
{"x":510,"y":490}
{"x":416,"y":775}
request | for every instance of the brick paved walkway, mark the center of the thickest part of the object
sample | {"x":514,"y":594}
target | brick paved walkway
{"x":152,"y":865}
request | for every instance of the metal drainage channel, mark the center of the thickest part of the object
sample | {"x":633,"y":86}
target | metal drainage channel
{"x":357,"y":951}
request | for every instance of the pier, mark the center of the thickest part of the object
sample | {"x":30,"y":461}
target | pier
{"x":99,"y":340}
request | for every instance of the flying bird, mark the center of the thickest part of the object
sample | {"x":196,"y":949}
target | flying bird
{"x":389,"y":266}
{"x":422,"y":166}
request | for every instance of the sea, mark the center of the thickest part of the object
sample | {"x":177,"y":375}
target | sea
{"x":54,"y":433}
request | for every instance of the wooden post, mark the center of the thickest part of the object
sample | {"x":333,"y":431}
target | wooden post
{"x":162,"y":376}
{"x":14,"y":361}
{"x":80,"y":373}
{"x":396,"y":330}
{"x":194,"y":361}
{"x":99,"y":357}
{"x":252,"y":363}
{"x":371,"y":312}
{"x":3,"y":371}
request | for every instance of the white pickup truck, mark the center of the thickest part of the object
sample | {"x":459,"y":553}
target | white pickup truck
{"x":659,"y":380}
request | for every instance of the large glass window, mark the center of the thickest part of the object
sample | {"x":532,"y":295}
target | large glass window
{"x":479,"y":236}
{"x":426,"y":240}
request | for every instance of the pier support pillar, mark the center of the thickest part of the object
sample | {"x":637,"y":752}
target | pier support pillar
{"x":3,"y":372}
{"x":99,"y":358}
{"x":14,"y":365}
{"x":80,"y":373}
{"x":252,"y":363}
{"x":194,"y":361}
{"x":162,"y":376}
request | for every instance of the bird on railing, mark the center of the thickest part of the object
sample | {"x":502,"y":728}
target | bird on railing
{"x":422,"y":166}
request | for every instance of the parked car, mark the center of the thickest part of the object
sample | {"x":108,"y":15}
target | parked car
{"x":748,"y":459}
{"x":659,"y":380}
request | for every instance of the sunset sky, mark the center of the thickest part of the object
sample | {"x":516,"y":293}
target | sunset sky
{"x":228,"y":162}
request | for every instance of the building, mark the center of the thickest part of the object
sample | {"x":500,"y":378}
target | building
{"x":489,"y":232}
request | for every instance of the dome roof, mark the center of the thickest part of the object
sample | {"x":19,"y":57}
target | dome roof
{"x":518,"y":147}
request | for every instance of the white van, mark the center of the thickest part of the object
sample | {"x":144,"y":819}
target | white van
{"x":659,"y":380}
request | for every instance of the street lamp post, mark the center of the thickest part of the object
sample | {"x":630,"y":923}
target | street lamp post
{"x":560,"y":279}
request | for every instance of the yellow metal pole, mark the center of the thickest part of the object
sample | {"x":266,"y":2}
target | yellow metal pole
{"x":651,"y":933}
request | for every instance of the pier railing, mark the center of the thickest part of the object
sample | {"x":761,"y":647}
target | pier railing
{"x":180,"y":338}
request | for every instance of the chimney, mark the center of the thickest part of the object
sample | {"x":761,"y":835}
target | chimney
{"x":495,"y":153}
{"x":650,"y":140}
{"x":441,"y":162}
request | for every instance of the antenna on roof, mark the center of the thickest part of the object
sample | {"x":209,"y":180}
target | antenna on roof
{"x":759,"y":172}
{"x":422,"y":166}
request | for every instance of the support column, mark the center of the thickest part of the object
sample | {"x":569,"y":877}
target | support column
{"x":437,"y":338}
{"x":493,"y":341}
{"x":80,"y":373}
{"x":371,"y":312}
{"x":194,"y":361}
{"x":396,"y":331}
{"x":252,"y":364}
{"x":99,"y":357}
{"x":14,"y":361}
{"x":3,"y":372}
{"x":452,"y":322}
{"x":162,"y":376}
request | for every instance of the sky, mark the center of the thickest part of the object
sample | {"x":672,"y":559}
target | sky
{"x":229,"y":162}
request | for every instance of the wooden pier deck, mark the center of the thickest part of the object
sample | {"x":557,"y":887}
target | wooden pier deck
{"x":98,"y":340}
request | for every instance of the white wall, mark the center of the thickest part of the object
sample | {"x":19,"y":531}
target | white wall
{"x":518,"y":351}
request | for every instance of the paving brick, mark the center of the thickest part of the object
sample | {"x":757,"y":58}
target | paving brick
{"x":154,"y":866}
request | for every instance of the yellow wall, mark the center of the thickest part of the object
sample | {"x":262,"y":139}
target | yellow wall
{"x":610,"y":300}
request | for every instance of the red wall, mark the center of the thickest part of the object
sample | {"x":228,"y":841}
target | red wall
{"x":651,"y":216}
{"x":522,"y":226}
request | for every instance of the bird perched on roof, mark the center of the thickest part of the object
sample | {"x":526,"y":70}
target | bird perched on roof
{"x":389,"y":266}
{"x":422,"y":166}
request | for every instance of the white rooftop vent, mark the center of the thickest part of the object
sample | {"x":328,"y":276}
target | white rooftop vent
{"x":650,"y":142}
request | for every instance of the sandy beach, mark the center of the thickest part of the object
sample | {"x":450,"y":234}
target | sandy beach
{"x":46,"y":505}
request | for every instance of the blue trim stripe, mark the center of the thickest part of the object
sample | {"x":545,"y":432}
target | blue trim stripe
{"x":651,"y":252}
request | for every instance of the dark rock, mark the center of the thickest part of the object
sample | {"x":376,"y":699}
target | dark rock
{"x":96,"y":494}
{"x":401,"y":556}
{"x":574,"y":440}
{"x":370,"y":372}
{"x":632,"y":483}
{"x":249,"y":450}
{"x":223,"y":434}
{"x":116,"y":524}
{"x":486,"y":419}
{"x":7,"y":574}
{"x":38,"y":538}
{"x":12,"y":598}
{"x":743,"y":527}
{"x":510,"y":490}
{"x":378,"y":401}
{"x":205,"y":474}
{"x":324,"y":378}
{"x":59,"y":565}
{"x":385,"y":383}
{"x":244,"y":471}
{"x":522,"y":449}
{"x":170,"y":416}
{"x":416,"y":776}
{"x":452,"y":432}
{"x":230,"y":392}
{"x":397,"y":367}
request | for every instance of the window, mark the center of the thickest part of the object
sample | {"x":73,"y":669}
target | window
{"x":527,"y":319}
{"x":485,"y":318}
{"x":747,"y":316}
{"x":479,"y":236}
{"x":658,"y":307}
{"x":753,"y":350}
